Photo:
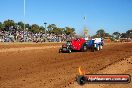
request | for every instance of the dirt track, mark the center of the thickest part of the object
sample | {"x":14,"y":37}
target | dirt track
{"x":46,"y":68}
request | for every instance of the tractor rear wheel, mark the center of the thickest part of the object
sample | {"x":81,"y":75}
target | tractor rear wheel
{"x":100,"y":47}
{"x":92,"y":49}
{"x":84,"y":48}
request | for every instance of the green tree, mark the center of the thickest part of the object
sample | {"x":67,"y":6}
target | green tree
{"x":62,"y":30}
{"x":1,"y":26}
{"x":129,"y":33}
{"x":100,"y":33}
{"x":27,"y":26}
{"x":20,"y":25}
{"x":56,"y":31}
{"x":42,"y":29}
{"x":69,"y":31}
{"x":107,"y":35}
{"x":123,"y":35}
{"x":52,"y":28}
{"x":8,"y":23}
{"x":116,"y":35}
{"x":34,"y":28}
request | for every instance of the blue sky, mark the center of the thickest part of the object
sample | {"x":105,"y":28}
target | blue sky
{"x":111,"y":15}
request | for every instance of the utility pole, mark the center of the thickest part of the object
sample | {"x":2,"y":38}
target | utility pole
{"x":24,"y":19}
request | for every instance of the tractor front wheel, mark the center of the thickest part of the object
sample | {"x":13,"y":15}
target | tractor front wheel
{"x":92,"y":49}
{"x":100,"y":47}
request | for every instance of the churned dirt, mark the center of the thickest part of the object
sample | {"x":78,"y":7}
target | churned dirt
{"x":124,"y":66}
{"x":41,"y":66}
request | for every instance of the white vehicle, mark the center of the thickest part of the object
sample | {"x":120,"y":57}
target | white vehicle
{"x":98,"y":43}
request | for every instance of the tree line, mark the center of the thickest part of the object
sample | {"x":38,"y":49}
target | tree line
{"x":114,"y":35}
{"x":9,"y":25}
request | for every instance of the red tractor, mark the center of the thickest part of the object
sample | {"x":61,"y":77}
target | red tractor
{"x":78,"y":44}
